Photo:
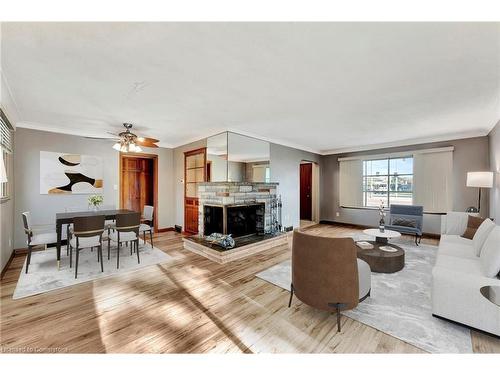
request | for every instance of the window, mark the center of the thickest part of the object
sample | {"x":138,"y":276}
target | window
{"x":389,"y":181}
{"x":6,"y":147}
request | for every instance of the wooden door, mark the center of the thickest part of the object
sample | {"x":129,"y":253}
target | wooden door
{"x":306,"y":191}
{"x":137,"y":183}
{"x":195,"y":171}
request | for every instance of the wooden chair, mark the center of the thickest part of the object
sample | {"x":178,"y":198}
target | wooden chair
{"x":87,"y":233}
{"x":147,"y":223}
{"x":126,"y":230}
{"x":35,"y":236}
{"x":326,"y":273}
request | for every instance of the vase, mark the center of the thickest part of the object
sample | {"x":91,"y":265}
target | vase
{"x":381,"y":225}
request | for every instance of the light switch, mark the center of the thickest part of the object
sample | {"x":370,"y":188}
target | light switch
{"x":115,"y":187}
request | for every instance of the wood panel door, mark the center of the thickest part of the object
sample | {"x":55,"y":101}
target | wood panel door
{"x":195,"y":171}
{"x":306,"y":191}
{"x":137,"y":183}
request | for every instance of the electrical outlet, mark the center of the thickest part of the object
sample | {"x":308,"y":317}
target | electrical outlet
{"x":337,"y":214}
{"x":10,"y":242}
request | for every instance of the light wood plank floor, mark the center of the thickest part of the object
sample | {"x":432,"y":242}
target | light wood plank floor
{"x":187,"y":305}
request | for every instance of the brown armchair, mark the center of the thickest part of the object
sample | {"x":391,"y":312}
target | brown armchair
{"x":326,"y":273}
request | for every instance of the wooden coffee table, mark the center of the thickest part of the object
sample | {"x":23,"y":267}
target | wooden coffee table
{"x":382,"y":261}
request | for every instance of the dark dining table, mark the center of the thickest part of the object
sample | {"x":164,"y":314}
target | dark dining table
{"x":63,"y":218}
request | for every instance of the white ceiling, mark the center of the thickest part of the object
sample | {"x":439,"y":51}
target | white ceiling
{"x":324,"y":87}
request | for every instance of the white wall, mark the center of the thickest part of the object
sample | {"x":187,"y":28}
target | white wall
{"x":285,"y":169}
{"x":44,"y":207}
{"x":494,"y":142}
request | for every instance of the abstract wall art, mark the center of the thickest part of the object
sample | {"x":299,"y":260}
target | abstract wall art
{"x":63,"y":173}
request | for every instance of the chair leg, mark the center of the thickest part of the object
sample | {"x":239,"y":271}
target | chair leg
{"x":100,"y":251}
{"x":151,"y":237}
{"x":419,"y":239}
{"x":97,"y":254}
{"x":109,"y":245}
{"x":28,"y":261}
{"x":144,"y":237}
{"x":70,"y":256}
{"x":291,"y":295}
{"x":118,"y":256}
{"x":67,"y":240}
{"x":338,"y":317}
{"x":131,"y":247}
{"x":76,"y":264}
{"x":416,"y":239}
{"x":137,"y":250}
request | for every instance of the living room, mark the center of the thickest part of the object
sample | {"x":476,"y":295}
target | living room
{"x":250,"y":187}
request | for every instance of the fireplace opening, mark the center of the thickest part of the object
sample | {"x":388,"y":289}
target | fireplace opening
{"x":237,"y":220}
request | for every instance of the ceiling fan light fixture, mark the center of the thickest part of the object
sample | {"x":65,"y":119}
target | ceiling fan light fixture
{"x":117,"y":146}
{"x":138,"y":149}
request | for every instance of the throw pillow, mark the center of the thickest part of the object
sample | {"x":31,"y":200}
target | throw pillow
{"x":490,"y":254}
{"x":481,"y":234}
{"x":472,"y":224}
{"x":404,"y":222}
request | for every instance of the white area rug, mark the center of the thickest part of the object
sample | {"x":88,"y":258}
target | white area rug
{"x":400,"y":303}
{"x":43,"y":275}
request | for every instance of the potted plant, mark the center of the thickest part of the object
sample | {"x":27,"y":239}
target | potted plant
{"x":95,"y":201}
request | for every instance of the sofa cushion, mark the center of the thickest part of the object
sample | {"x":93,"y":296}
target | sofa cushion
{"x":456,"y":246}
{"x":472,"y":224}
{"x":490,"y":253}
{"x":462,"y":265}
{"x":481,"y":234}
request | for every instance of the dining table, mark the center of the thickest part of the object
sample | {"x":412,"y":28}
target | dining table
{"x":66,"y":218}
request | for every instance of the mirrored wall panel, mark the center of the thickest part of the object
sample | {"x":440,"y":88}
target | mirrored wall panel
{"x":217,"y":158}
{"x":248,"y":159}
{"x":237,"y":158}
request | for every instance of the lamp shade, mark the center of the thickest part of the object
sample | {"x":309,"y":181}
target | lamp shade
{"x":480,"y":179}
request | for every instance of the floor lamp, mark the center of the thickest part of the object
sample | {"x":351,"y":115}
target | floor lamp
{"x":479,"y":180}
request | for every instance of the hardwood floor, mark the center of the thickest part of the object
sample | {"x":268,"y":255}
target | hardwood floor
{"x":187,"y":305}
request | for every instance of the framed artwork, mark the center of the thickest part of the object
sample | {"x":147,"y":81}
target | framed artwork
{"x":62,"y":173}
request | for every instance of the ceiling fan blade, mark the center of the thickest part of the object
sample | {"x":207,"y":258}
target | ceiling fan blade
{"x":146,"y":139}
{"x":104,"y":138}
{"x":146,"y":144}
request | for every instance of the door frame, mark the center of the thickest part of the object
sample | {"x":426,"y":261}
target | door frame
{"x":315,"y":189}
{"x":154,"y":157}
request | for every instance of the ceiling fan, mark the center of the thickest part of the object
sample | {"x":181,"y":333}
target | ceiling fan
{"x":130,"y":142}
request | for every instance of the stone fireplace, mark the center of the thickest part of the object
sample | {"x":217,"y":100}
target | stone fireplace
{"x":237,"y":208}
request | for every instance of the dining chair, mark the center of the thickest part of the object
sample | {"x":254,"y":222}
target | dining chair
{"x":126,"y":230}
{"x":147,"y":223}
{"x":69,"y":227}
{"x":87,"y":233}
{"x":35,"y":236}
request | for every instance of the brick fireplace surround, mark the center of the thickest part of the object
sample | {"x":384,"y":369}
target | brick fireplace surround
{"x":230,"y":193}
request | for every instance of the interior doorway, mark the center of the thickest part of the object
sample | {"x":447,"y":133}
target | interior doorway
{"x":309,"y":193}
{"x":139,"y":183}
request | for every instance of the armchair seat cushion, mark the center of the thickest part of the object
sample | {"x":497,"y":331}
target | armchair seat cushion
{"x":404,"y":229}
{"x":364,"y":277}
{"x":124,"y":236}
{"x":85,"y":242}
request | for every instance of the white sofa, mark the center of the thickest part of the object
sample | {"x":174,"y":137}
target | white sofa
{"x":459,"y":273}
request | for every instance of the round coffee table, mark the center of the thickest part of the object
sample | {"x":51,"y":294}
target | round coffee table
{"x":382,"y":261}
{"x":382,"y":237}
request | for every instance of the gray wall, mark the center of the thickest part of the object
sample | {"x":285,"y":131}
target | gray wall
{"x":494,"y":139}
{"x":44,"y":207}
{"x":285,"y":169}
{"x":470,"y":155}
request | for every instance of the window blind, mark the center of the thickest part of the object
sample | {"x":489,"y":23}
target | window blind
{"x":351,"y":183}
{"x":6,"y":140}
{"x":433,"y":173}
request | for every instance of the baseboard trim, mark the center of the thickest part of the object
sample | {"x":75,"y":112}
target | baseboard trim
{"x":7,"y":265}
{"x":466,"y":326}
{"x":359,"y":226}
{"x":168,"y":229}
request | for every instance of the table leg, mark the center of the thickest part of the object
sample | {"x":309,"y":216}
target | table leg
{"x":58,"y":245}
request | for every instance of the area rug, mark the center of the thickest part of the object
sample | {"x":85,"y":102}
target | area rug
{"x":400,"y":303}
{"x":43,"y":275}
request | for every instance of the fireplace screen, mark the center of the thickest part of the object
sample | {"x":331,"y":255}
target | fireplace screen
{"x":238,"y":220}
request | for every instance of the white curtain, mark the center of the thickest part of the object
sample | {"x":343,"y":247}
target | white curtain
{"x":432,"y":181}
{"x":351,"y":183}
